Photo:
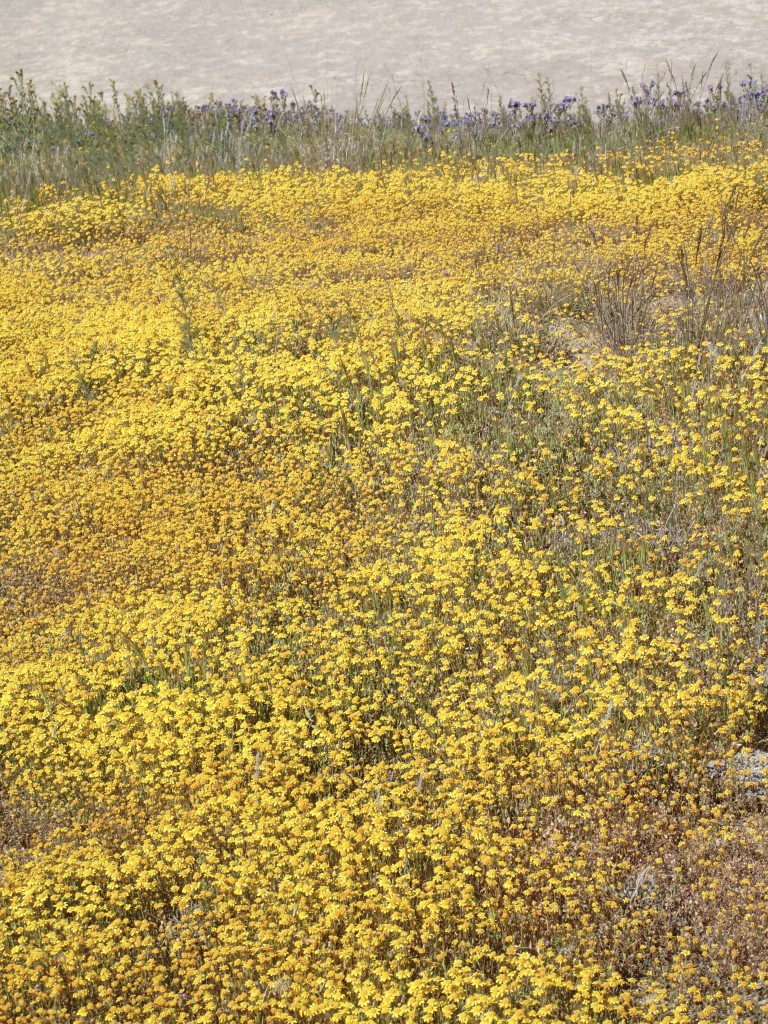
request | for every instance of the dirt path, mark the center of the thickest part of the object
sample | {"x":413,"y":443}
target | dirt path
{"x":235,"y":48}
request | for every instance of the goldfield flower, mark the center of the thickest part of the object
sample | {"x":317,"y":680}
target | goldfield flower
{"x":383,"y":569}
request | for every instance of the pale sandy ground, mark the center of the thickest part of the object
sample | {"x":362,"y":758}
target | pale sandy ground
{"x":238,"y":48}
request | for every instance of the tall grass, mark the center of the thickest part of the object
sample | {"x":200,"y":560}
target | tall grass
{"x":76,"y":142}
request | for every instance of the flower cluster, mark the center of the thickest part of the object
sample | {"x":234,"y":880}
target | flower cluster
{"x":278,"y":112}
{"x":383,"y":567}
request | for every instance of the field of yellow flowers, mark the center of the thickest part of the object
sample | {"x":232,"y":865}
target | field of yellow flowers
{"x":383,"y":595}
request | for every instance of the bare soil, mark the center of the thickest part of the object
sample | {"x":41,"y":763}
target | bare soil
{"x":238,"y":48}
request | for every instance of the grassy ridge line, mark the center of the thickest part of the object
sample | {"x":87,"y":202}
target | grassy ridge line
{"x":78,"y":142}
